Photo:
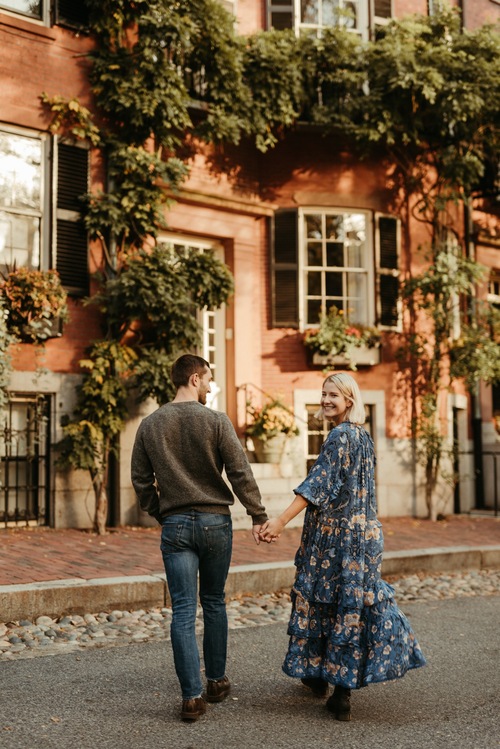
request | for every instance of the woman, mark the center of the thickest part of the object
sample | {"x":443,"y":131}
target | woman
{"x":345,"y":628}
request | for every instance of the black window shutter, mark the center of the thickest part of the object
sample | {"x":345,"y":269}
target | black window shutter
{"x":71,"y":13}
{"x":387,"y":244}
{"x":383,"y":8}
{"x":285,"y":269}
{"x":72,"y":240}
{"x":279,"y":14}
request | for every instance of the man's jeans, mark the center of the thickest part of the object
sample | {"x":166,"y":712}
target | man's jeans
{"x":191,"y":543}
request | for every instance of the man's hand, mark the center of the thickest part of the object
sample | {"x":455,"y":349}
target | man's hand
{"x":256,"y":532}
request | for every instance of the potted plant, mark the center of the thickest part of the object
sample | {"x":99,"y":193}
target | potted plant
{"x":269,"y":428}
{"x":338,"y":341}
{"x":35,"y":302}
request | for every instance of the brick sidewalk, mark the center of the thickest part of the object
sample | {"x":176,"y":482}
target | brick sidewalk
{"x":30,"y":555}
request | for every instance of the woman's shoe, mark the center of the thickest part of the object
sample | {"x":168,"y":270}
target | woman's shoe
{"x":340,"y":703}
{"x":319,"y":687}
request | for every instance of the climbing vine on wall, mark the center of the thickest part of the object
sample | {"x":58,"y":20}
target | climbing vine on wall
{"x":167,"y":75}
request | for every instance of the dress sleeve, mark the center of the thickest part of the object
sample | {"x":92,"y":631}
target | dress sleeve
{"x":324,"y":481}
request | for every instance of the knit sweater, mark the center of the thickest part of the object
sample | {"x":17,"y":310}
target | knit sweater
{"x":179,"y":454}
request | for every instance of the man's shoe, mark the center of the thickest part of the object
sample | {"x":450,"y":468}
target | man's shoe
{"x":319,"y":687}
{"x":193,"y":709}
{"x":340,"y":703}
{"x":218,"y":690}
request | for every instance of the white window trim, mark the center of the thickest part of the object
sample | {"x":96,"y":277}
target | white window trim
{"x":219,"y":392}
{"x":361,"y":28}
{"x":369,"y":250}
{"x":45,"y":189}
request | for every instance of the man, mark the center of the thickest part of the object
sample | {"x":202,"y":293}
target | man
{"x":179,"y":454}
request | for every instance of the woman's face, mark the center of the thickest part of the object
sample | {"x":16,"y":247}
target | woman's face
{"x":333,"y":403}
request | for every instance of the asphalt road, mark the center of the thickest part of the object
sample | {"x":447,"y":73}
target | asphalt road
{"x":128,"y":697}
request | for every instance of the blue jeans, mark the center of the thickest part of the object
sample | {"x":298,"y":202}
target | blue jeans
{"x":194,"y":543}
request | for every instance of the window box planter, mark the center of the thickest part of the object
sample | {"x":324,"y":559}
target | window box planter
{"x":357,"y":356}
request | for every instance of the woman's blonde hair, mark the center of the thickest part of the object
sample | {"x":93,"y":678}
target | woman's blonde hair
{"x":348,"y":387}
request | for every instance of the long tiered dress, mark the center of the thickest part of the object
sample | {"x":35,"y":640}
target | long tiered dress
{"x":345,"y":626}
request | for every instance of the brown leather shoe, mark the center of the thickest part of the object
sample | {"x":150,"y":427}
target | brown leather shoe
{"x":218,"y":690}
{"x":193,"y":709}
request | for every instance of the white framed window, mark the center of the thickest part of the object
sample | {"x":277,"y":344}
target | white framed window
{"x":324,"y":257}
{"x":230,"y":5}
{"x":33,"y":9}
{"x":41,"y":183}
{"x":336,"y":254}
{"x":23,"y":189}
{"x":313,"y":16}
{"x":212,"y":322}
{"x":70,"y":13}
{"x":494,"y":287}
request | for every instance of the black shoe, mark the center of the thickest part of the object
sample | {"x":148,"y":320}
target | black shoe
{"x":340,"y":703}
{"x":193,"y":709}
{"x":218,"y":690}
{"x":319,"y":687}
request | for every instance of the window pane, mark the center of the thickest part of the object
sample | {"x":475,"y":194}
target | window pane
{"x":314,"y":253}
{"x":19,"y":240}
{"x":335,"y":228}
{"x":314,"y":284}
{"x":280,"y":21}
{"x":354,"y":255}
{"x":356,"y":292}
{"x":355,"y":227}
{"x":20,"y":171}
{"x":329,"y":12}
{"x":309,"y":11}
{"x":334,"y":284}
{"x":313,"y":424}
{"x":313,"y":311}
{"x":335,"y":254}
{"x":350,"y":16}
{"x":313,"y":227}
{"x":30,"y":7}
{"x":314,"y":442}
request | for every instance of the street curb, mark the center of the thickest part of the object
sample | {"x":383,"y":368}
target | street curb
{"x":79,"y":596}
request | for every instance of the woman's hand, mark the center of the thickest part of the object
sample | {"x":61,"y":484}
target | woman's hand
{"x":272,"y":529}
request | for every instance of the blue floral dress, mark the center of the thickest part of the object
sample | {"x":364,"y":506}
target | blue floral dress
{"x":345,"y":626}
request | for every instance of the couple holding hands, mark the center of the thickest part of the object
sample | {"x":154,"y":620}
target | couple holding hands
{"x":346,"y":630}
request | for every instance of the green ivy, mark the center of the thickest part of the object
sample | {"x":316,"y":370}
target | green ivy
{"x":424,"y":97}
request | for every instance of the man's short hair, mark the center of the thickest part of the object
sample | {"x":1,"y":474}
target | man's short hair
{"x":185,"y":366}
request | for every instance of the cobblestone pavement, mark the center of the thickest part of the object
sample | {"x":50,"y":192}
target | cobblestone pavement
{"x":47,"y":636}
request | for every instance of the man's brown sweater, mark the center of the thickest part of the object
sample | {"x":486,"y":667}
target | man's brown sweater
{"x":179,"y":455}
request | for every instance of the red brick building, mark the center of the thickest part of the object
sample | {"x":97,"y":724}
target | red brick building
{"x":264,"y":227}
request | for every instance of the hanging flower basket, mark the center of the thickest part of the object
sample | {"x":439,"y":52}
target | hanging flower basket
{"x":35,"y":302}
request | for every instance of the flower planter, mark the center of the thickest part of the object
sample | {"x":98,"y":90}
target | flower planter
{"x":270,"y":450}
{"x":361,"y":356}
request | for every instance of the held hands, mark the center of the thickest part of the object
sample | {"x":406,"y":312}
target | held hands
{"x":271,"y":530}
